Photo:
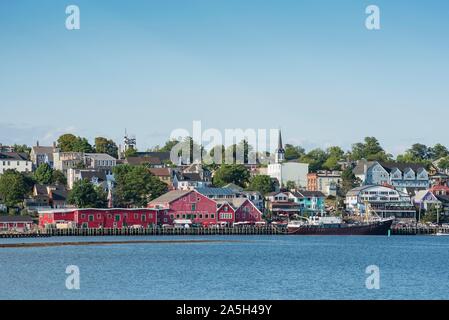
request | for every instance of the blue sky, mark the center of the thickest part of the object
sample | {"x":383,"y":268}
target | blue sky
{"x":309,"y":67}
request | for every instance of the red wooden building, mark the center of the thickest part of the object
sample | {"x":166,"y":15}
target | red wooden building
{"x":238,"y":210}
{"x":185,"y":204}
{"x":16,"y":223}
{"x":194,"y":206}
{"x":98,"y":218}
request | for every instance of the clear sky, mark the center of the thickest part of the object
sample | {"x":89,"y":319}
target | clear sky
{"x":309,"y":67}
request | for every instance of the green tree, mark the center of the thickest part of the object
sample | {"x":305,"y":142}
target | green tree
{"x":22,"y":148}
{"x":85,"y":195}
{"x":44,"y":174}
{"x":14,"y":187}
{"x":169,"y":145}
{"x":439,"y":151}
{"x":58,"y":177}
{"x":290,"y":185}
{"x":443,"y":164}
{"x":348,"y":181}
{"x":262,"y":183}
{"x":370,"y":149}
{"x":231,"y":173}
{"x":104,"y":145}
{"x":130,"y":152}
{"x":71,"y":143}
{"x":315,"y":158}
{"x":136,"y":186}
{"x":293,"y":152}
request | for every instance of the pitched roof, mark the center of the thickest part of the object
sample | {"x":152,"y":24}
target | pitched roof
{"x":170,"y":196}
{"x":360,"y":166}
{"x":99,"y":156}
{"x":160,"y":172}
{"x":14,"y":156}
{"x":4,"y":218}
{"x":389,"y":166}
{"x":307,"y":194}
{"x":235,"y":203}
{"x":216,"y":191}
{"x":43,"y":150}
{"x":136,"y":161}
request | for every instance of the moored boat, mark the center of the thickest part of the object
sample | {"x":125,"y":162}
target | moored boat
{"x":336,"y":226}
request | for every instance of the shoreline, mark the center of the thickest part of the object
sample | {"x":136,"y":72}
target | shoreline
{"x":104,"y":243}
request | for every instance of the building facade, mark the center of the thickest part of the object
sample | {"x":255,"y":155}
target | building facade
{"x":98,"y":218}
{"x":385,"y":201}
{"x":15,"y":161}
{"x":326,"y":182}
{"x":399,"y":175}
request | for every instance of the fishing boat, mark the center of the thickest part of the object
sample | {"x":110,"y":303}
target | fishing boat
{"x":370,"y":224}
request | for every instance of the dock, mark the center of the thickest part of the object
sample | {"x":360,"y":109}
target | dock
{"x":414,"y":230}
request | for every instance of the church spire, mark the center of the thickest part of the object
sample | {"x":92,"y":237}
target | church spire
{"x":280,"y":141}
{"x":280,"y":152}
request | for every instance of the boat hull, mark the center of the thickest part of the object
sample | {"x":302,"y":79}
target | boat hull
{"x":378,"y":228}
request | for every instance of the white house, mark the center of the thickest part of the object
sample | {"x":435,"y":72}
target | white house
{"x":15,"y":161}
{"x":287,"y":171}
{"x":385,"y":201}
{"x":402,"y":176}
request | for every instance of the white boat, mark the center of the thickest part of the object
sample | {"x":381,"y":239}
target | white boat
{"x":442,"y":234}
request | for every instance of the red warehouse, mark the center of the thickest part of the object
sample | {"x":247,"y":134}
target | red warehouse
{"x":238,"y":210}
{"x":16,"y":223}
{"x":98,"y":218}
{"x":185,"y":204}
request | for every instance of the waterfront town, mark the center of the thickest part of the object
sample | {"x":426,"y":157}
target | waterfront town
{"x":75,"y":185}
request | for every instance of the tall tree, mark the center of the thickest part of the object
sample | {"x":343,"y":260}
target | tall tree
{"x":370,"y":149}
{"x":104,"y":145}
{"x":85,"y":195}
{"x":136,"y":186}
{"x":71,"y":143}
{"x":44,"y":174}
{"x":315,"y":158}
{"x":14,"y":187}
{"x":293,"y":152}
{"x":262,"y":183}
{"x":439,"y":151}
{"x":231,"y":173}
{"x":349,"y":181}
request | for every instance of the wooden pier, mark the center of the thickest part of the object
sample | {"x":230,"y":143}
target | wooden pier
{"x":414,"y":230}
{"x":157,"y":231}
{"x":194,"y":231}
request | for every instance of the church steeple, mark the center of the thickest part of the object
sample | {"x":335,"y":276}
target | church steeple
{"x":280,"y":152}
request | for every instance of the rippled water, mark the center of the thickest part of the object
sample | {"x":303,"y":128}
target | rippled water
{"x":256,"y":267}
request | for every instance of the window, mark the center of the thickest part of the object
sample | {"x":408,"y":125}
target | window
{"x":144,"y":217}
{"x":91,"y":217}
{"x":212,"y":216}
{"x":117,"y":217}
{"x":201,"y":216}
{"x":83,"y":216}
{"x":98,"y":216}
{"x":193,"y":206}
{"x":151,"y":216}
{"x":207,"y":216}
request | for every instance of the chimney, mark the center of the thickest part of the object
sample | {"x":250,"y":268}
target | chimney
{"x":37,"y":143}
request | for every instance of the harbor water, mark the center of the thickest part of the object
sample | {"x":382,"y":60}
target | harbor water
{"x":236,"y":267}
